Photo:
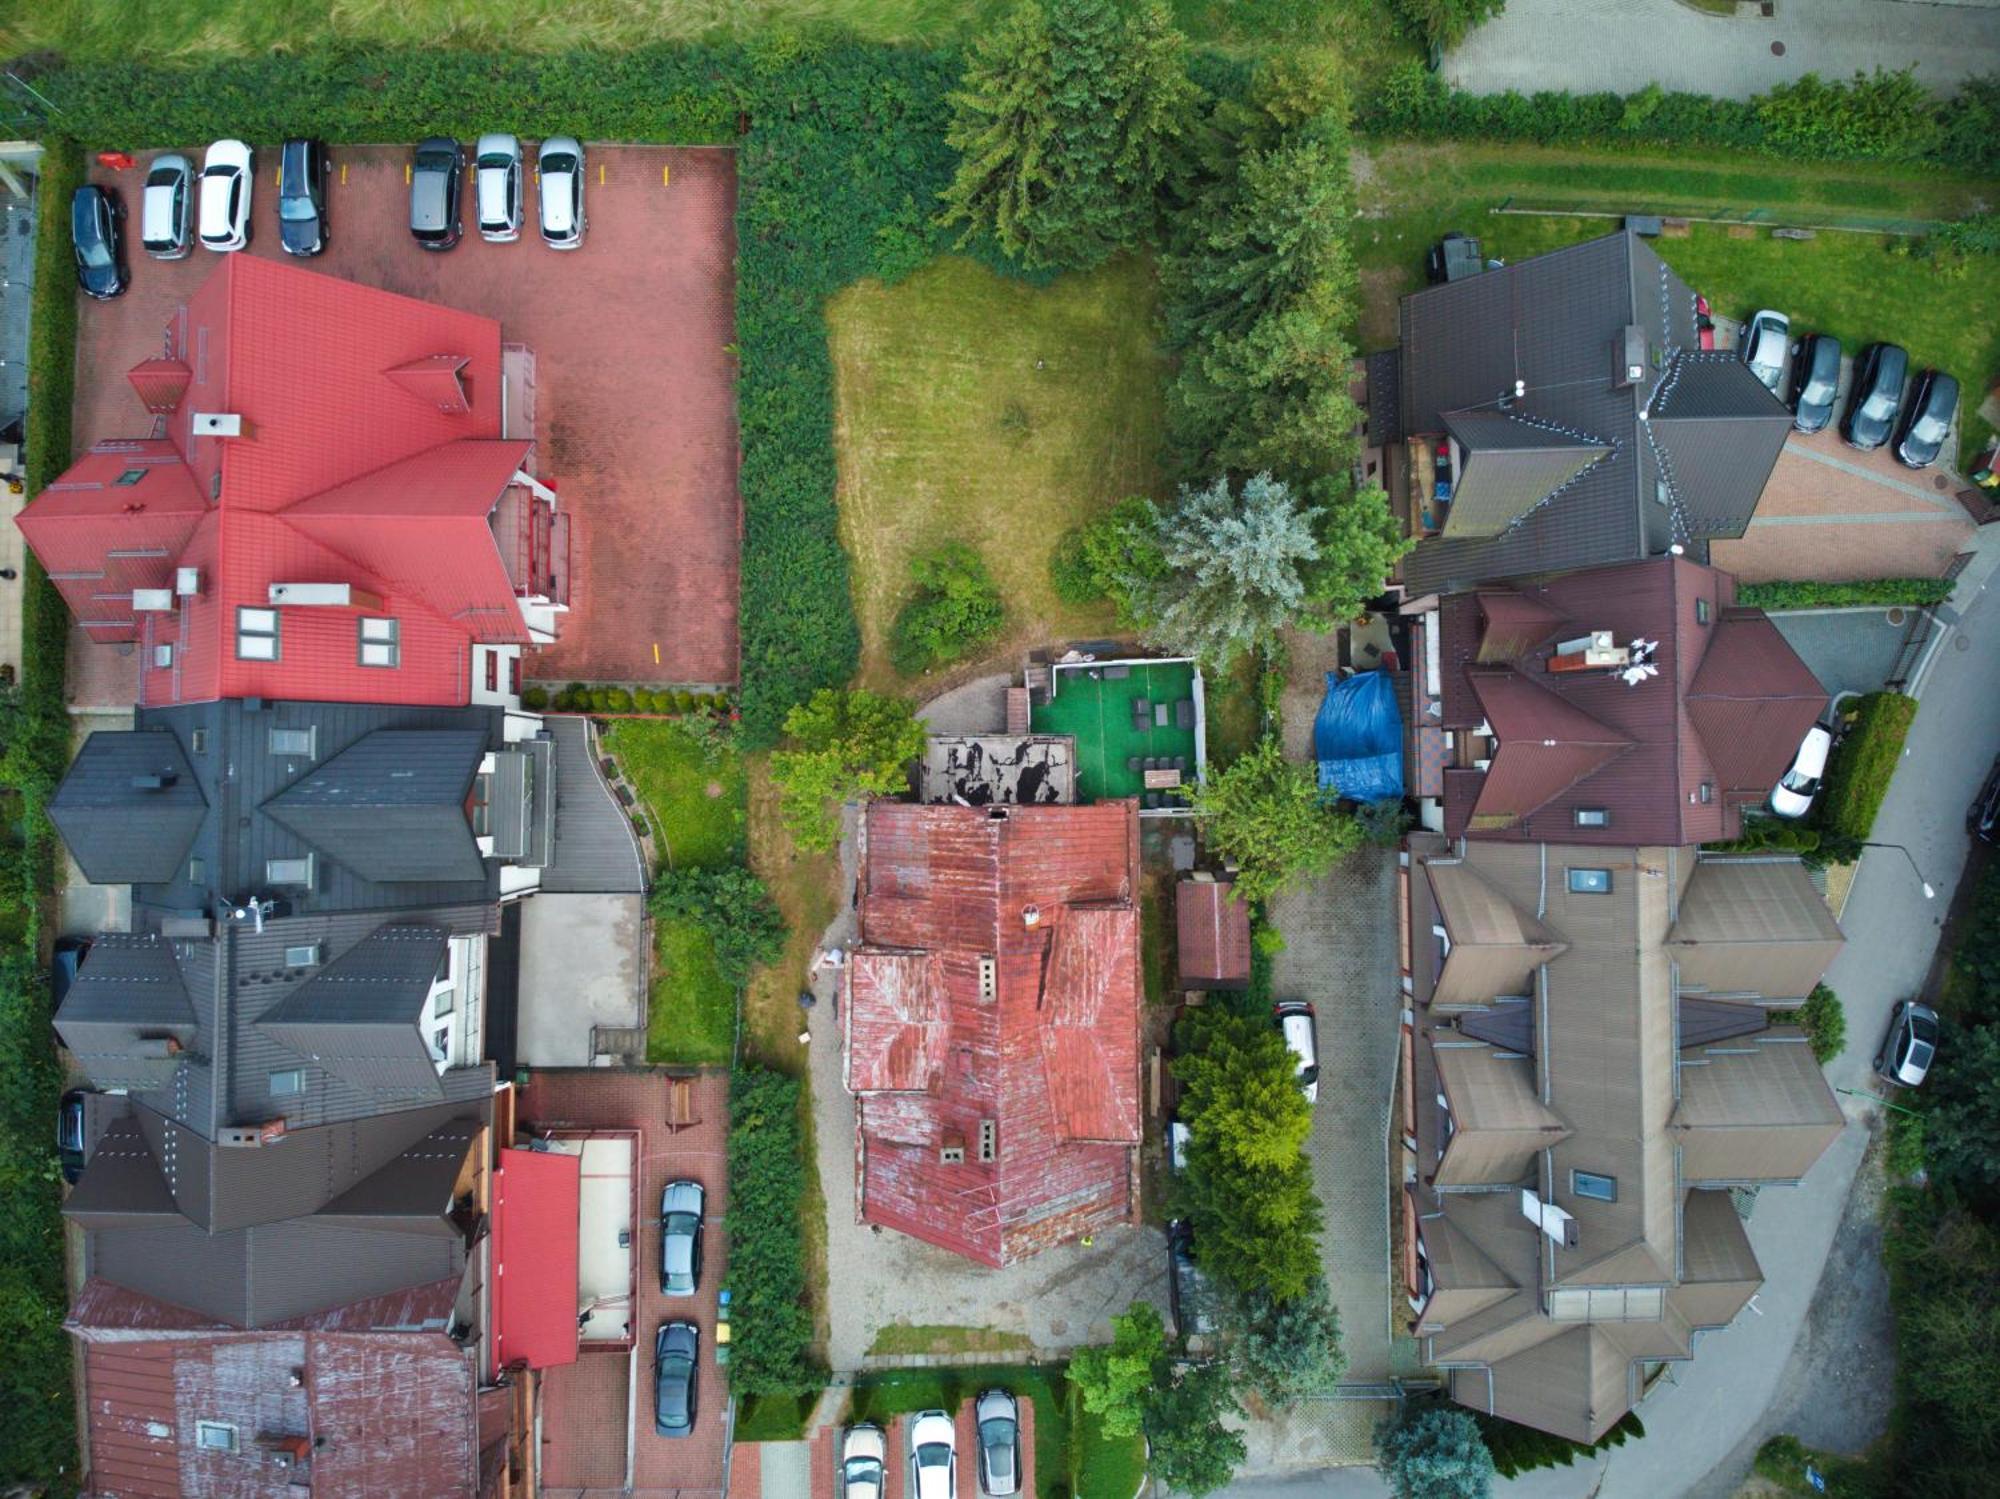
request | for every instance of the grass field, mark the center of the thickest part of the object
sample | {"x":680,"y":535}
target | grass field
{"x":1847,"y":284}
{"x":978,"y":409}
{"x":1359,"y":32}
{"x":907,"y":1337}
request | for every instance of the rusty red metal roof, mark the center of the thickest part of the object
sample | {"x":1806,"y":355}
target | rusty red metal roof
{"x":992,"y":1014}
{"x":535,"y":1206}
{"x":1212,"y":935}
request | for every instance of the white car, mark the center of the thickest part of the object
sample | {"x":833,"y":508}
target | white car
{"x":226,"y":179}
{"x":1794,"y":793}
{"x":933,"y":1456}
{"x":863,"y":1451}
{"x":497,"y":173}
{"x":1295,"y":1024}
{"x":166,"y":207}
{"x":560,"y":166}
{"x":1765,"y":340}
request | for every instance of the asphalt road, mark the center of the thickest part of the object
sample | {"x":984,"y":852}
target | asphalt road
{"x":1701,"y":1427}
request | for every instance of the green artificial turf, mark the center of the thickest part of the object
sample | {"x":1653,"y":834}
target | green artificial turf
{"x":1098,"y":712}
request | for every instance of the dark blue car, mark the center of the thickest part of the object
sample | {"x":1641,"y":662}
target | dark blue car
{"x":94,"y":216}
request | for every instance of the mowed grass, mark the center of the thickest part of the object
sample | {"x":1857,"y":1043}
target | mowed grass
{"x":979,"y":409}
{"x":695,"y":797}
{"x":1848,"y":284}
{"x":908,"y":1337}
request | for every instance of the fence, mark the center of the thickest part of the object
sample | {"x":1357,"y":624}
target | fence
{"x":1760,"y":218}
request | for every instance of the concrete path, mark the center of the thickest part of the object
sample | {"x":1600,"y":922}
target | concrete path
{"x":1623,"y":45}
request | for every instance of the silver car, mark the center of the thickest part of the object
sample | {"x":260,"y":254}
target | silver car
{"x":680,"y":1238}
{"x":166,"y":208}
{"x":1911,"y":1045}
{"x":496,"y":187}
{"x":863,"y":1451}
{"x":560,"y":167}
{"x":999,"y":1422}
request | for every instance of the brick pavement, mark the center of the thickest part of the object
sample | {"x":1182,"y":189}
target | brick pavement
{"x":635,"y":384}
{"x":585,"y":1419}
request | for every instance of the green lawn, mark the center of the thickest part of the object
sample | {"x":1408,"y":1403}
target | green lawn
{"x":1850,"y":285}
{"x":907,"y":1337}
{"x":1103,"y":1467}
{"x":696,"y":799}
{"x":979,"y":409}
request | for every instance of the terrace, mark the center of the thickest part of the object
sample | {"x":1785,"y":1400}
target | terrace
{"x":1138,"y":725}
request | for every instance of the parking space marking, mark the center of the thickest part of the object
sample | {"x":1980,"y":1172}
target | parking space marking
{"x":666,"y":174}
{"x":343,"y":174}
{"x":600,"y":174}
{"x":656,"y":653}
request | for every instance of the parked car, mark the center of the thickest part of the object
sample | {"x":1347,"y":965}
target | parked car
{"x":497,"y":174}
{"x":1927,"y":419}
{"x":933,"y":1456}
{"x":676,"y":1360}
{"x":1983,"y":821}
{"x":435,"y":171}
{"x":1190,"y":1298}
{"x":1295,"y":1024}
{"x":70,"y":952}
{"x":69,"y":1134}
{"x":560,"y":167}
{"x":1453,"y":258}
{"x":680,"y":1238}
{"x":166,"y":208}
{"x":1911,"y":1044}
{"x":1796,"y":788}
{"x":1178,"y":1135}
{"x":863,"y":1451}
{"x":1872,"y":400}
{"x":94,"y":215}
{"x":998,"y":1419}
{"x":1765,"y":339}
{"x":226,"y":181}
{"x":1815,"y":381}
{"x":302,"y":169}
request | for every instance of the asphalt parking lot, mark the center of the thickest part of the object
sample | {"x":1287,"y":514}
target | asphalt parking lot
{"x":635,"y":383}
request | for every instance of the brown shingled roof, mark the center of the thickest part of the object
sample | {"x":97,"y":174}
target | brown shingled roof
{"x":1213,"y":935}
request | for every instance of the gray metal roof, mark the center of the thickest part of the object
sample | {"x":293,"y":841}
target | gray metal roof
{"x":1558,"y":325}
{"x":129,"y":807}
{"x":359,"y":1017}
{"x":594,"y":849}
{"x":391,"y":805}
{"x":127,"y":1016}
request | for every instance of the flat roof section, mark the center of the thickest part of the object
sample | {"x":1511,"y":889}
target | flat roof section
{"x":982,"y":770}
{"x":535,"y":1217}
{"x":1098,"y":704}
{"x":605,"y":1238}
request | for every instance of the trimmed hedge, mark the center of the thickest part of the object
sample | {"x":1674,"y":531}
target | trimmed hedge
{"x":1863,"y":762}
{"x":1879,"y":117}
{"x":1887,"y":593}
{"x":772,"y":1326}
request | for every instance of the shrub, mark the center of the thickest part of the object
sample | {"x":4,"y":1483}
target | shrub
{"x":845,"y":745}
{"x":1857,"y":778}
{"x":534,"y":699}
{"x":1885,"y":592}
{"x":1518,"y":1449}
{"x":733,"y":907}
{"x":955,"y":610}
{"x":1434,"y":1452}
{"x":1444,"y":23}
{"x":765,"y":1223}
{"x":600,"y":699}
{"x":683,"y":702}
{"x":619,"y":700}
{"x":1822,"y":1019}
{"x":1071,"y":574}
{"x":1977,"y":956}
{"x":1767,"y":833}
{"x":1383,"y":823}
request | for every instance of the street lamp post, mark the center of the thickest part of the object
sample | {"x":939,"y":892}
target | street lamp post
{"x":1929,"y":893}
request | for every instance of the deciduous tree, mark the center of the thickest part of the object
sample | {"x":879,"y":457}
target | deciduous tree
{"x":1267,"y":813}
{"x":733,"y":907}
{"x":843,"y":745}
{"x":955,"y":610}
{"x":1191,"y":1450}
{"x":1115,"y":1380}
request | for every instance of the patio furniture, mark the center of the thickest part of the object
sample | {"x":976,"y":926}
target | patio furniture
{"x":1132,"y":764}
{"x":1151,"y":800}
{"x":1162,"y":715}
{"x":1141,"y":713}
{"x":1162,"y":777}
{"x":1180,"y":763}
{"x":1184,"y":713}
{"x":1117,"y":673}
{"x":681,"y":1112}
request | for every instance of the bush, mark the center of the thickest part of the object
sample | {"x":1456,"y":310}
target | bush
{"x":955,"y":610}
{"x":683,"y":702}
{"x":1822,"y":1019}
{"x":1976,"y":959}
{"x":1434,"y":1452}
{"x":765,"y":1224}
{"x":1857,"y":778}
{"x":1071,"y":573}
{"x":1383,"y":823}
{"x":733,"y":907}
{"x":534,"y":699}
{"x":1888,"y":593}
{"x":1518,"y":1449}
{"x":619,"y":700}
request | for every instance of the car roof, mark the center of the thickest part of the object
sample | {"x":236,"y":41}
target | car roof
{"x":1812,"y":750}
{"x":497,"y":143}
{"x":681,"y":1197}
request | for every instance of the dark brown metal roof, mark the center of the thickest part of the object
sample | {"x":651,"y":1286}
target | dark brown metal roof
{"x":1213,"y":935}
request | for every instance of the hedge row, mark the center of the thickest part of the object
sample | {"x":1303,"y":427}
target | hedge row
{"x":1864,"y":762}
{"x":1878,"y":592}
{"x":1883,"y":117}
{"x":577,"y":698}
{"x":38,"y":1436}
{"x":772,"y":1325}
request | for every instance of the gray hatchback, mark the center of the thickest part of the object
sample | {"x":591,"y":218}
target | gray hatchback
{"x":680,"y":1238}
{"x":676,"y":1350}
{"x":434,"y":192}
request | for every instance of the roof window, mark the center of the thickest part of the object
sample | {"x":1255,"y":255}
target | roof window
{"x":294,"y":741}
{"x":290,"y":1082}
{"x":256,"y":634}
{"x":289,"y":871}
{"x":1589,"y":882}
{"x":1593,"y":817}
{"x":1597,"y":1188}
{"x":381,"y":642}
{"x":215,"y":1436}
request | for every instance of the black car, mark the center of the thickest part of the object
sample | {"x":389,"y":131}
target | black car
{"x":69,"y":1135}
{"x":435,"y":181}
{"x":1879,"y":378}
{"x":1454,"y":258}
{"x":1983,"y":821}
{"x":302,"y":168}
{"x":1815,"y":380}
{"x":63,"y":968}
{"x":676,"y":1349}
{"x":1927,"y":420}
{"x":94,"y":216}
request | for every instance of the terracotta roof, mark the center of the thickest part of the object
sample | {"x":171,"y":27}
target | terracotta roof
{"x":1672,"y":759}
{"x":369,"y":454}
{"x":994,"y":999}
{"x":1212,"y":935}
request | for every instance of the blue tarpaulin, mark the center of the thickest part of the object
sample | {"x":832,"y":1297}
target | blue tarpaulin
{"x":1358,"y":737}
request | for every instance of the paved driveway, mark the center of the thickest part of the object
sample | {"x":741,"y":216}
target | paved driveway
{"x":1623,"y":45}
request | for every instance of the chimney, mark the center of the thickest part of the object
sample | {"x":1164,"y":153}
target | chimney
{"x":187,"y":582}
{"x":218,"y":424}
{"x":1628,"y":351}
{"x":1593,"y":652}
{"x":1550,"y":1219}
{"x":158,"y":781}
{"x":1031,"y":916}
{"x":152,"y":600}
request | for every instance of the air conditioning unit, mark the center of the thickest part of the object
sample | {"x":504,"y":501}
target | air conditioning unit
{"x":152,"y":600}
{"x":219,"y":424}
{"x":187,"y":582}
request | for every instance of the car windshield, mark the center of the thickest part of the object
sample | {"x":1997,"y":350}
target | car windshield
{"x":682,"y":1224}
{"x":219,"y":170}
{"x":1929,"y":430}
{"x":163,"y":176}
{"x":863,"y":1470}
{"x":1923,"y":1028}
{"x":998,"y":1432}
{"x":933,"y":1455}
{"x":1309,"y":1075}
{"x":558,"y":165}
{"x":1799,"y":781}
{"x":297,"y":209}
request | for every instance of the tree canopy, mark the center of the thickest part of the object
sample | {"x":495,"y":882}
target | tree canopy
{"x":1114,"y":1381}
{"x":843,"y":745}
{"x":1191,"y":1450}
{"x":1287,"y":1351}
{"x":1233,"y":570}
{"x":1434,"y":1452}
{"x":1267,"y":813}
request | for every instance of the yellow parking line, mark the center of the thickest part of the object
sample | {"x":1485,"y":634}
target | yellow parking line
{"x":406,"y":174}
{"x":656,"y":653}
{"x":600,"y":174}
{"x":666,"y":174}
{"x":343,"y":174}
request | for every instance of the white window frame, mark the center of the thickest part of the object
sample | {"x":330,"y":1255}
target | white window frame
{"x":379,"y":641}
{"x":215,"y":1436}
{"x":257,"y":631}
{"x":299,"y":1087}
{"x":274,"y":877}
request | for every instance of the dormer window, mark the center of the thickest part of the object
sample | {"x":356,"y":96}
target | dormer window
{"x":381,"y":642}
{"x":256,"y":634}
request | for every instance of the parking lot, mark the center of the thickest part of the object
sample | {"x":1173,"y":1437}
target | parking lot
{"x":896,"y":1468}
{"x":593,"y":1420}
{"x":634,"y":381}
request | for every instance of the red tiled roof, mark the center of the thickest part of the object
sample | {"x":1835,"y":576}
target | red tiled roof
{"x":1048,"y":1055}
{"x":369,"y":454}
{"x":1212,"y":935}
{"x":1725,"y":712}
{"x":535,"y":1206}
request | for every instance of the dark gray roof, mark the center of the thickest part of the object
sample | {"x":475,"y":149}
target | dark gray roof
{"x":360,"y":1016}
{"x":594,"y":849}
{"x":391,"y":805}
{"x":129,"y":807}
{"x":1509,"y":466}
{"x":1559,"y":324}
{"x":1385,"y":392}
{"x":127,"y":1016}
